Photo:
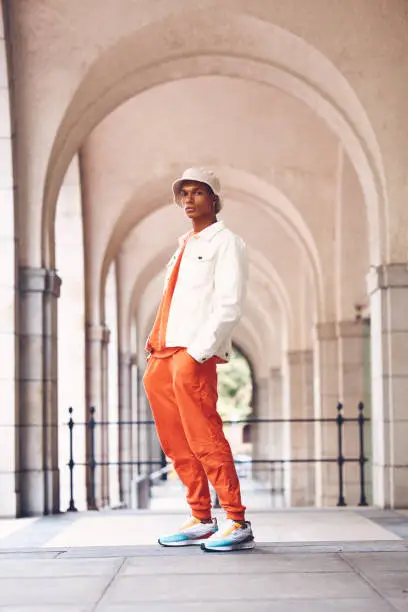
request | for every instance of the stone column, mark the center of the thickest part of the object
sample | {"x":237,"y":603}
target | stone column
{"x":277,"y":432}
{"x":97,"y":340}
{"x":105,"y":429}
{"x":39,"y":474}
{"x":125,"y":428}
{"x":143,"y":430}
{"x":341,"y":363}
{"x":388,"y":289}
{"x":9,"y":485}
{"x":326,"y":368}
{"x":261,"y":438}
{"x":133,"y":412}
{"x":302,"y":433}
{"x":353,"y":365}
{"x":276,"y":412}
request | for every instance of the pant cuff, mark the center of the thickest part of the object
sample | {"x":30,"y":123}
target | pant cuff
{"x":239,"y":516}
{"x":201,"y":514}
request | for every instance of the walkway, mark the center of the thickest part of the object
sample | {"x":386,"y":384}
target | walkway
{"x":305,"y":561}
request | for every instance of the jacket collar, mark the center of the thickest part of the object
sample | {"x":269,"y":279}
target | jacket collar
{"x":207,"y":234}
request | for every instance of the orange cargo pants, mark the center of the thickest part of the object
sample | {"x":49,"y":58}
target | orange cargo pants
{"x":183,"y":396}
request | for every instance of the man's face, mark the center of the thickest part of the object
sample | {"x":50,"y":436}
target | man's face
{"x":197,"y":200}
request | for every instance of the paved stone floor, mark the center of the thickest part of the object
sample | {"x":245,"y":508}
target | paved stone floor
{"x":108,"y":562}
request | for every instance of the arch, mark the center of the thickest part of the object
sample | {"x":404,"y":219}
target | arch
{"x":264,"y":196}
{"x":255,"y":50}
{"x":260,"y":267}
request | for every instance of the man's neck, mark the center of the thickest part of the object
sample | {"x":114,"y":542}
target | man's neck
{"x":200,"y":224}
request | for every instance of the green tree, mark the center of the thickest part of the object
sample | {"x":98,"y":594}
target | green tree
{"x":234,"y":388}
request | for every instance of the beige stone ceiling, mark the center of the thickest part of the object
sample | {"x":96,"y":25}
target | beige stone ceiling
{"x":284,"y":109}
{"x":270,"y":161}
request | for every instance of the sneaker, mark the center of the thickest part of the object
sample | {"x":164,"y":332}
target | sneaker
{"x":192,"y":533}
{"x":232,"y":536}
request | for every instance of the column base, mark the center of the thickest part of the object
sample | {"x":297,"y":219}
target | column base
{"x":39,"y":492}
{"x":302,"y":485}
{"x":390,"y":487}
{"x":9,"y":499}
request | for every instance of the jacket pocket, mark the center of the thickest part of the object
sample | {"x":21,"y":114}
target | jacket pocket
{"x":197,"y":269}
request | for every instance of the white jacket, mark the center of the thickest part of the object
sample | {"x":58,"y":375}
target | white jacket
{"x":209,"y":293}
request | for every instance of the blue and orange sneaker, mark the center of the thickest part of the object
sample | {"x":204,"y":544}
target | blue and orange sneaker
{"x":192,"y":533}
{"x":232,"y":536}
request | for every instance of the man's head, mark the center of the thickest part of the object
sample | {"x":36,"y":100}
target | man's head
{"x":198,"y":192}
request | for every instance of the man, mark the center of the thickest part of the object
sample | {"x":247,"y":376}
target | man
{"x":201,"y":304}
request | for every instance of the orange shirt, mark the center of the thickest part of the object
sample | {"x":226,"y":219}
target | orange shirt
{"x":157,"y":340}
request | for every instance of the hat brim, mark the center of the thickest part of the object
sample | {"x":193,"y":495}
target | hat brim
{"x":179,"y":182}
{"x":177,"y":188}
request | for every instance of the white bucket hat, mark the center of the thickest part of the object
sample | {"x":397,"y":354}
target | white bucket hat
{"x":201,"y":175}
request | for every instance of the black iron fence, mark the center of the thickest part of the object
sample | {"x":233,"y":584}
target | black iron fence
{"x":275,"y":467}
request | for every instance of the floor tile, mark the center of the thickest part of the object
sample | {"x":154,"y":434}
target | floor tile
{"x":48,"y":591}
{"x":245,"y":563}
{"x":390,"y":584}
{"x":52,"y":608}
{"x":379,"y":562}
{"x":274,"y":526}
{"x":311,"y":605}
{"x":133,"y":589}
{"x":44,"y":568}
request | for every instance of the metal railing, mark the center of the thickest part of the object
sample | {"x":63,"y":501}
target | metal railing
{"x":275,"y":466}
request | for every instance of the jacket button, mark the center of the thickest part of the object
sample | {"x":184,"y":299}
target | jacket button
{"x":199,"y":257}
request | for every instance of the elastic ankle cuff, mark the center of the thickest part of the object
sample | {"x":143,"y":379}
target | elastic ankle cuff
{"x":236,"y":517}
{"x":202,"y":516}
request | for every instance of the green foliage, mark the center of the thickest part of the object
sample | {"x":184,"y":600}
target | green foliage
{"x":234,"y":388}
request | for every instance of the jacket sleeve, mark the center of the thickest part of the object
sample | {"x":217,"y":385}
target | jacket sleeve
{"x":230,"y":279}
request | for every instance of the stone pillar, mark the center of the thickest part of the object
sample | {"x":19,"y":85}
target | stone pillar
{"x":326,"y":368}
{"x":276,"y":412}
{"x":388,"y":289}
{"x":133,"y":412}
{"x":341,"y":364}
{"x":261,"y":438}
{"x":301,"y":434}
{"x":106,"y":419}
{"x":97,"y":340}
{"x":39,"y":474}
{"x":143,"y":430}
{"x":125,"y":428}
{"x":278,"y":433}
{"x":352,"y":338}
{"x":9,"y":485}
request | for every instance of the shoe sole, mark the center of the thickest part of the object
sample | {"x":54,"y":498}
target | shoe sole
{"x":245,"y":545}
{"x":199,"y":542}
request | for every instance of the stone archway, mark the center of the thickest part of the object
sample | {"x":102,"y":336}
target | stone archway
{"x":318,"y":84}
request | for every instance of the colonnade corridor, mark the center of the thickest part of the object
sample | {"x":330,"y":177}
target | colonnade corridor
{"x":300,"y":109}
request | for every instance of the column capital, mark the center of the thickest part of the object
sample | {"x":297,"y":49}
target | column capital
{"x":326,"y":331}
{"x":342,"y":329}
{"x":39,"y":280}
{"x":133,"y":359}
{"x":352,"y":329}
{"x":98,"y":333}
{"x":276,"y":373}
{"x":300,"y":356}
{"x":385,"y":276}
